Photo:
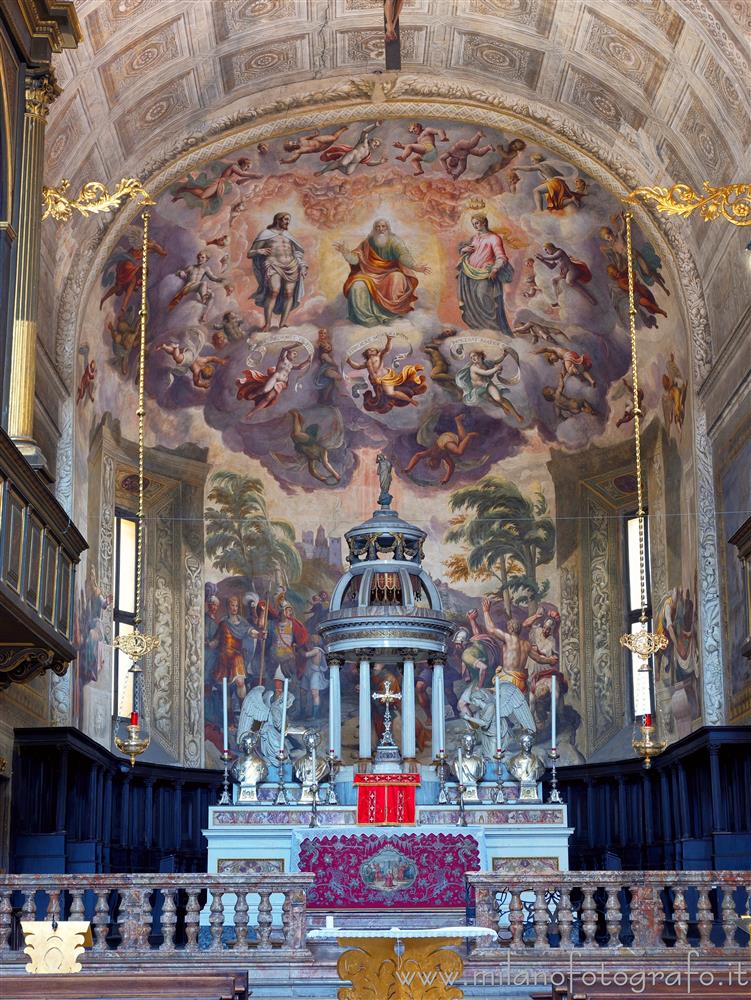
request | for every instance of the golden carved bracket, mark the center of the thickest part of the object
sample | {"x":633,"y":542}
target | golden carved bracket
{"x":731,"y":202}
{"x":53,"y":947}
{"x":93,"y":198}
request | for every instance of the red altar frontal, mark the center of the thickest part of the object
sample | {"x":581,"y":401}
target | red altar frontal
{"x":386,"y":799}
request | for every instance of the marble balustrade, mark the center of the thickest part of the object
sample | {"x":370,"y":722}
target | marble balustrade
{"x":648,"y":913}
{"x":159,"y":915}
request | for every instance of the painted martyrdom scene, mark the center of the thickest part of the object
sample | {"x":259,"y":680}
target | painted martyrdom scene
{"x":454,"y":298}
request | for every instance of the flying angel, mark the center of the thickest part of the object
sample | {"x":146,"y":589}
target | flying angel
{"x":312,"y":443}
{"x":444,"y":450}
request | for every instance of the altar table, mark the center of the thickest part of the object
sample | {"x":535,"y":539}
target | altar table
{"x":374,"y":965}
{"x":386,"y":799}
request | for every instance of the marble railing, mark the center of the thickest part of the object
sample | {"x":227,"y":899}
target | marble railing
{"x":160,"y":915}
{"x":645,"y":912}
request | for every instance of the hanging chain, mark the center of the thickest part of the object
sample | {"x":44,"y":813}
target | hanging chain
{"x":141,"y":412}
{"x":637,"y":420}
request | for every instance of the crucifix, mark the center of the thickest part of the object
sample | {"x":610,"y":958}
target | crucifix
{"x":391,"y":11}
{"x":387,"y":756}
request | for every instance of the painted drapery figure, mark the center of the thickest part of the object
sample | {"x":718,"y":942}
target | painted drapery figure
{"x":483,"y":269}
{"x":378,"y":288}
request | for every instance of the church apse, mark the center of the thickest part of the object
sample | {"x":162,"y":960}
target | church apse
{"x":455,"y":298}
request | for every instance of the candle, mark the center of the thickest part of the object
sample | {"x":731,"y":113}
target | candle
{"x":284,"y":715}
{"x":314,"y":780}
{"x":647,"y":720}
{"x":460,"y":766}
{"x":553,"y":701}
{"x":134,"y":718}
{"x":498,"y":713}
{"x":225,"y":745}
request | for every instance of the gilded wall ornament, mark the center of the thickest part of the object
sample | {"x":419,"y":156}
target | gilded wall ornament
{"x":94,"y":197}
{"x":731,"y":202}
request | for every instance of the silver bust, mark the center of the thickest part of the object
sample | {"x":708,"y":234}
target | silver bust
{"x":249,"y":770}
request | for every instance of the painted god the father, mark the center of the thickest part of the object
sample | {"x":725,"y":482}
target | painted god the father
{"x":379,"y":288}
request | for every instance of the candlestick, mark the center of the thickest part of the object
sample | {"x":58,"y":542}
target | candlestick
{"x":497,"y":684}
{"x":498,"y":797}
{"x":553,"y":719}
{"x":284,"y":715}
{"x":440,"y":766}
{"x":281,"y":791}
{"x":225,"y":744}
{"x":333,"y":767}
{"x":555,"y":796}
{"x":224,"y":799}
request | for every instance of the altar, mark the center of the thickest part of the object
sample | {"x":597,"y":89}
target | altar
{"x":389,"y":833}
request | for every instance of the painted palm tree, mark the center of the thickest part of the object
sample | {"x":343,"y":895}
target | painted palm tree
{"x":505,"y":536}
{"x":242,"y":539}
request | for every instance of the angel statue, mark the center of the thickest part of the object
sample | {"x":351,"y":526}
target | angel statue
{"x":262,"y":710}
{"x":480,"y":714}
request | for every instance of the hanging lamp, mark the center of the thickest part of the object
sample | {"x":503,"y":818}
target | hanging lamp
{"x":134,"y":738}
{"x":648,"y":738}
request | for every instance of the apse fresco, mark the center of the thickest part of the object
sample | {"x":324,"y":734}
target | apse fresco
{"x":453,"y":297}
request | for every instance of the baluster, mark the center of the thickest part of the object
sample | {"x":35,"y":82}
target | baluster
{"x":286,"y":909}
{"x":101,"y":920}
{"x":680,"y":918}
{"x":169,"y":920}
{"x":6,"y":921}
{"x":145,"y":921}
{"x":704,"y":917}
{"x":241,"y":919}
{"x":729,"y":917}
{"x":264,"y":919}
{"x":216,"y":919}
{"x":297,"y":920}
{"x":129,"y":919}
{"x":53,"y":906}
{"x":516,"y":920}
{"x":77,"y":911}
{"x":613,"y":917}
{"x":486,"y":915}
{"x":647,"y":917}
{"x":589,"y":916}
{"x":540,"y":917}
{"x":565,"y":918}
{"x":29,"y":908}
{"x":192,"y":916}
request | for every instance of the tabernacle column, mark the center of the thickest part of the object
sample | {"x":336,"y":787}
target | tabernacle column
{"x":438,"y":709}
{"x":41,"y":91}
{"x":409,"y":749}
{"x":335,"y":708}
{"x":364,"y":714}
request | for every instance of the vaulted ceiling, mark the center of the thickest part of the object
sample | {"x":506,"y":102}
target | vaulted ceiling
{"x":666,"y":78}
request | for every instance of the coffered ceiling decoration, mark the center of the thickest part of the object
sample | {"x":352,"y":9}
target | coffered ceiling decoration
{"x":149,"y":72}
